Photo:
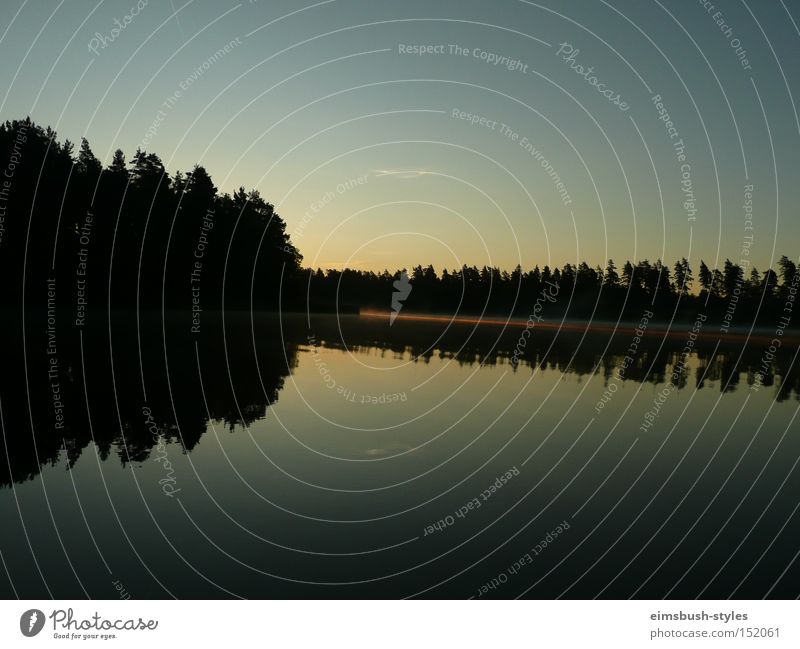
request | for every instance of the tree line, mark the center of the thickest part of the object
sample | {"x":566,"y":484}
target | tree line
{"x":130,"y":234}
{"x":581,"y":290}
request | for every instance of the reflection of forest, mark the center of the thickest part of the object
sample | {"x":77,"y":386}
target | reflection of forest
{"x":234,"y":386}
{"x":569,"y":351}
{"x":239,"y":379}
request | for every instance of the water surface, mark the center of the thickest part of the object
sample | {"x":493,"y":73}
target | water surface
{"x":340,"y":457}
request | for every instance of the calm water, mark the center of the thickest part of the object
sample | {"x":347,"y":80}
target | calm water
{"x":331,"y":457}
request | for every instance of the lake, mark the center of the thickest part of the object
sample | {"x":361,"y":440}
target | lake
{"x":341,"y":457}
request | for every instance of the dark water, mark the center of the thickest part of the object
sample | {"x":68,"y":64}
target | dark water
{"x":329,"y":458}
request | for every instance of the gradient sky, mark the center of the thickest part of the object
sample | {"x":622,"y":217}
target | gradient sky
{"x":357,"y":146}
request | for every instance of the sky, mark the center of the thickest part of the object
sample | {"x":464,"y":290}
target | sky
{"x":449,"y":132}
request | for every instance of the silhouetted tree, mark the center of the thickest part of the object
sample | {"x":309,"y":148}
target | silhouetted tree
{"x":683,"y":276}
{"x":705,"y":277}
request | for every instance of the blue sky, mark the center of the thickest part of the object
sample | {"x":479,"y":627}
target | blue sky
{"x":370,"y":150}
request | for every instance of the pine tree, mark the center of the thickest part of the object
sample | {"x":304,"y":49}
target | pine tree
{"x":627,"y":274}
{"x":118,"y":165}
{"x":705,"y":277}
{"x":87,"y":162}
{"x":683,"y":277}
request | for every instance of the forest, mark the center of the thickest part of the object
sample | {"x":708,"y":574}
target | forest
{"x":731,"y":294}
{"x":132,"y":235}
